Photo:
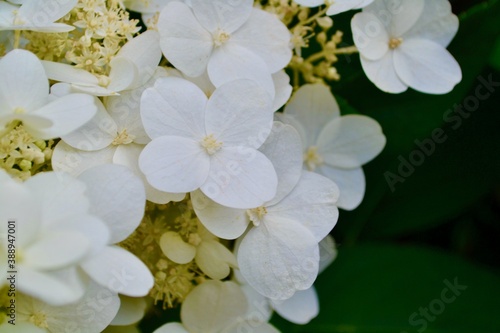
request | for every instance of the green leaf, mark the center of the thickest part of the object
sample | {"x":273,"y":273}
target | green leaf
{"x":383,"y":289}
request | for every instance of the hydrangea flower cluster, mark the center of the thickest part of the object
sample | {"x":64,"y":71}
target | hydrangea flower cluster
{"x":197,"y":163}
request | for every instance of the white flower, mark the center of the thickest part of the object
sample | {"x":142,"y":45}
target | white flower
{"x":132,"y":310}
{"x":211,"y":307}
{"x":24,"y":96}
{"x":335,"y":6}
{"x":230,"y":40}
{"x":213,"y":258}
{"x":404,"y":45}
{"x":91,"y":314}
{"x":37,"y":15}
{"x":211,"y":145}
{"x":279,"y":255}
{"x":335,"y":146}
{"x":115,"y":135}
{"x":131,"y":68}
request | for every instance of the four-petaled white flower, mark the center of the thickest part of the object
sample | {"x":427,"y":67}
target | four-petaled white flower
{"x":230,"y":40}
{"x":24,"y":96}
{"x":404,"y":45}
{"x":334,"y":146}
{"x":279,"y":255}
{"x":209,"y":144}
{"x":335,"y":6}
{"x":37,"y":15}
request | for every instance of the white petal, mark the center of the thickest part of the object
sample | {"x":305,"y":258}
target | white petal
{"x":38,"y":15}
{"x":175,"y":164}
{"x":259,"y":307}
{"x":340,"y":6}
{"x":184,"y":42}
{"x":351,"y":184}
{"x":56,"y":250}
{"x":232,"y":61}
{"x":426,"y":66}
{"x":327,"y":252}
{"x":131,"y":311}
{"x":174,"y":106}
{"x":310,"y":3}
{"x":23,"y":83}
{"x":67,"y":114}
{"x":123,"y":74}
{"x":47,"y":287}
{"x":240,"y":178}
{"x":62,"y":196}
{"x":171,"y":328}
{"x":350,"y":141}
{"x":436,"y":23}
{"x":227,"y":16}
{"x":278,"y":258}
{"x":117,"y":196}
{"x":21,"y":327}
{"x":128,"y":155}
{"x":212,"y":306}
{"x":73,"y":161}
{"x":239,"y":113}
{"x":145,"y":53}
{"x":223,"y":222}
{"x":251,"y":326}
{"x":397,"y":16}
{"x":311,"y":203}
{"x":96,"y":134}
{"x":266,"y":36}
{"x":284,"y":149}
{"x":301,"y":308}
{"x":370,"y":36}
{"x":214,"y":259}
{"x":67,"y":73}
{"x":383,"y":74}
{"x":312,"y":106}
{"x":282,"y":88}
{"x":175,"y":248}
{"x":120,"y":271}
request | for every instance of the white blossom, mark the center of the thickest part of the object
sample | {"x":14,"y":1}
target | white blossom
{"x":404,"y":44}
{"x":335,"y":6}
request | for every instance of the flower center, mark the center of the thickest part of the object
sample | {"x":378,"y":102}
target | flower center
{"x":257,"y":214}
{"x":312,"y":158}
{"x":39,"y":319}
{"x":19,"y":110}
{"x":395,"y":42}
{"x":123,"y":138}
{"x":211,"y":144}
{"x":220,"y":37}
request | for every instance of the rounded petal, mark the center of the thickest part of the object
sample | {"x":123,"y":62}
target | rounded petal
{"x":259,"y":307}
{"x":279,"y":258}
{"x":73,"y":161}
{"x":426,"y":66}
{"x":370,"y":36}
{"x":23,"y":83}
{"x":310,"y":3}
{"x":117,"y":196}
{"x":327,"y":252}
{"x":383,"y":74}
{"x":350,"y":141}
{"x":240,"y":178}
{"x":214,"y":259}
{"x":213,"y":306}
{"x":266,"y":36}
{"x":176,"y":249}
{"x":223,"y":222}
{"x":225,"y":15}
{"x":282,"y":88}
{"x":175,"y":164}
{"x":299,"y":309}
{"x":284,"y":149}
{"x":312,"y":106}
{"x":66,"y":113}
{"x":311,"y":203}
{"x":120,"y":271}
{"x":184,"y":42}
{"x":233,"y":61}
{"x":397,"y":16}
{"x":131,"y":311}
{"x":174,"y":106}
{"x":351,"y":184}
{"x":96,"y":134}
{"x":171,"y":328}
{"x":66,"y":73}
{"x":239,"y":113}
{"x":38,"y":15}
{"x":123,"y":74}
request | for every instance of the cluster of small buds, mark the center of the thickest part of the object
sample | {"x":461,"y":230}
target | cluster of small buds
{"x":21,"y":155}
